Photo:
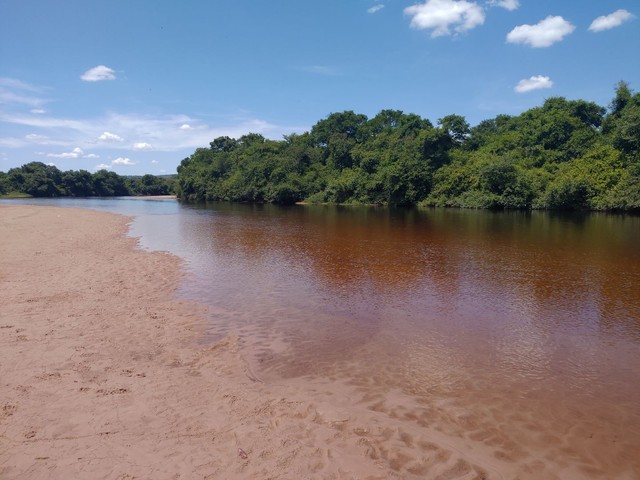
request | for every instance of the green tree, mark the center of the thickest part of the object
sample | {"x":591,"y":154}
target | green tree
{"x":78,"y":183}
{"x":223,"y":144}
{"x":37,"y":179}
{"x":626,"y":129}
{"x":109,"y":184}
{"x":456,"y":127}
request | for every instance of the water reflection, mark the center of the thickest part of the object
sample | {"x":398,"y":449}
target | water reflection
{"x":479,"y":261}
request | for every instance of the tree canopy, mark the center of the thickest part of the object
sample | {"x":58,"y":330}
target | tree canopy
{"x":40,"y":180}
{"x":564,"y":154}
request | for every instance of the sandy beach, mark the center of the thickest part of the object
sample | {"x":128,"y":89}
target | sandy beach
{"x":104,"y":374}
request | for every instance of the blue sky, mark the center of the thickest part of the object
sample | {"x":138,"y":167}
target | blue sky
{"x":136,"y":86}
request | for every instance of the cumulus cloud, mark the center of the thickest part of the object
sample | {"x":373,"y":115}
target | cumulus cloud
{"x":99,"y":73}
{"x":154,"y":162}
{"x":186,"y":126}
{"x":75,"y":153}
{"x":123,"y":161}
{"x":110,"y":137}
{"x":102,"y":166}
{"x":536,"y":82}
{"x":142,"y":146}
{"x":38,"y":111}
{"x":543,"y":34}
{"x":442,"y":15}
{"x":508,"y":4}
{"x":607,"y":22}
{"x":375,"y":8}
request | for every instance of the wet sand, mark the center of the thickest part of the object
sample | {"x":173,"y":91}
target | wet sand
{"x":104,"y":374}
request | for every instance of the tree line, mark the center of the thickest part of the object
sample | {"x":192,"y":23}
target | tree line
{"x":40,"y":180}
{"x":565,"y":154}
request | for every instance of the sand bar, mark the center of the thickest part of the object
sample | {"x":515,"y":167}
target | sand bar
{"x":103,"y":374}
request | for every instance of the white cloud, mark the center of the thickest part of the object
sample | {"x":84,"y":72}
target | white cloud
{"x":75,"y":153}
{"x":441,"y":15}
{"x":13,"y":91}
{"x":142,"y":146}
{"x":17,"y":91}
{"x":38,"y":111}
{"x":34,"y":137}
{"x":42,"y":122}
{"x":16,"y":84}
{"x":7,"y":96}
{"x":51,"y":164}
{"x":508,"y":4}
{"x":537,"y":82}
{"x":110,"y":137}
{"x":40,"y":139}
{"x":612,"y":20}
{"x":166,"y":133}
{"x":543,"y":34}
{"x":375,"y":8}
{"x":98,"y":73}
{"x":102,"y":166}
{"x":123,"y":161}
{"x":154,"y":162}
{"x":12,"y":142}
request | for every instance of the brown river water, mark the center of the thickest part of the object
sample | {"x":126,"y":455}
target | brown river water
{"x":517,"y":333}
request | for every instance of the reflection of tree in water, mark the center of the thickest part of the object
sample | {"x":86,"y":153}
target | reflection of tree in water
{"x":357,"y":259}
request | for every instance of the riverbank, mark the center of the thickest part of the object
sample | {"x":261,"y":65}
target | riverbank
{"x":104,"y":374}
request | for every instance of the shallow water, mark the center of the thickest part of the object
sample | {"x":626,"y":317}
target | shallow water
{"x":519,"y":331}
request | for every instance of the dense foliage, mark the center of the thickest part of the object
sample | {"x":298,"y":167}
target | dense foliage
{"x":40,"y":180}
{"x":566,"y":154}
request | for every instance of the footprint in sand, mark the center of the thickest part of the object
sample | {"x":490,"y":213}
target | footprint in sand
{"x":115,"y":391}
{"x":7,"y":411}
